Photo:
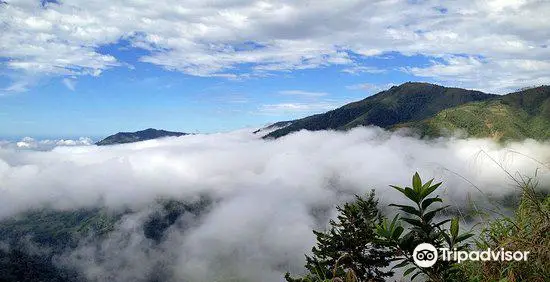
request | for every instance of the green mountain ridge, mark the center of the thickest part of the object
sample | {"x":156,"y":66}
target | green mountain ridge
{"x":516,"y":116}
{"x":434,"y":110}
{"x":142,"y":135}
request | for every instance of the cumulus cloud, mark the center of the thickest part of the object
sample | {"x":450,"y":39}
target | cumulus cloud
{"x":46,"y":144}
{"x":268,"y":194}
{"x":214,"y":37}
{"x":493,"y":76}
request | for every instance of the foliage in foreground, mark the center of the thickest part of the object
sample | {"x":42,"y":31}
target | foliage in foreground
{"x":350,"y":248}
{"x":528,"y":230}
{"x":423,"y":228}
{"x":361,"y":246}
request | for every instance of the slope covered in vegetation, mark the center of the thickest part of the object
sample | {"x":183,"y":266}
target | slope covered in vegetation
{"x":410,"y":101}
{"x":520,"y":115}
{"x":433,"y":111}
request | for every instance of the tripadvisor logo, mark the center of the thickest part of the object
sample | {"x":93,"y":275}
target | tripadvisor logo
{"x":426,"y":255}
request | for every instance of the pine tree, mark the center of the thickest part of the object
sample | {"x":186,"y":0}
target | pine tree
{"x":349,"y":246}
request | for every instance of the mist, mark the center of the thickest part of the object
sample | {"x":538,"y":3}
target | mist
{"x":267,"y":195}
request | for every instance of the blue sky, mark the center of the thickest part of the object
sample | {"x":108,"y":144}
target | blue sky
{"x":125,"y":99}
{"x":94,"y":68}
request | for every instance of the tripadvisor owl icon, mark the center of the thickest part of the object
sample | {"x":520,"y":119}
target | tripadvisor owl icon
{"x":425,"y":255}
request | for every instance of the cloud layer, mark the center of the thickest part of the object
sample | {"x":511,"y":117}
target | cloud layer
{"x":491,"y":45}
{"x":30,"y":143}
{"x":269,"y":194}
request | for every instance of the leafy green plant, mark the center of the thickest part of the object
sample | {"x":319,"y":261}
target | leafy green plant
{"x":422,"y":228}
{"x":425,"y":220}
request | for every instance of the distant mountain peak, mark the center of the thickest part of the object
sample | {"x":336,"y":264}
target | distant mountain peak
{"x":410,"y":101}
{"x":419,"y":83}
{"x":142,"y":135}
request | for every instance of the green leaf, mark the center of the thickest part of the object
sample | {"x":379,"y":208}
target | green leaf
{"x":427,"y":184}
{"x":447,"y":239}
{"x":408,"y":271}
{"x":407,"y":209}
{"x":398,"y":231}
{"x":428,"y":191}
{"x":393,"y":222}
{"x":413,"y":221}
{"x":454,"y":227}
{"x":427,"y":202}
{"x":463,"y":237}
{"x":398,"y":188}
{"x":417,"y":183}
{"x":382,"y":231}
{"x":411,"y":194}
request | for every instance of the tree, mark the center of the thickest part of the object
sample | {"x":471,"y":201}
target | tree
{"x":350,"y":248}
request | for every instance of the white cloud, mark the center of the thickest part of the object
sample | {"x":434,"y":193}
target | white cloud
{"x":44,"y":145}
{"x":362,"y":69}
{"x":82,"y":141}
{"x":267,"y":193}
{"x":303,"y":93}
{"x":493,"y":76}
{"x":212,"y":38}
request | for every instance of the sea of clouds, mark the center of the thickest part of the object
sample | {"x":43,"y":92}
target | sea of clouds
{"x":269,"y":194}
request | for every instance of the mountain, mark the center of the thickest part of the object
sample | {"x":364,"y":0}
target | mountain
{"x":273,"y":127}
{"x":130,"y":137}
{"x":433,"y":110}
{"x":516,"y":116}
{"x":411,"y":101}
